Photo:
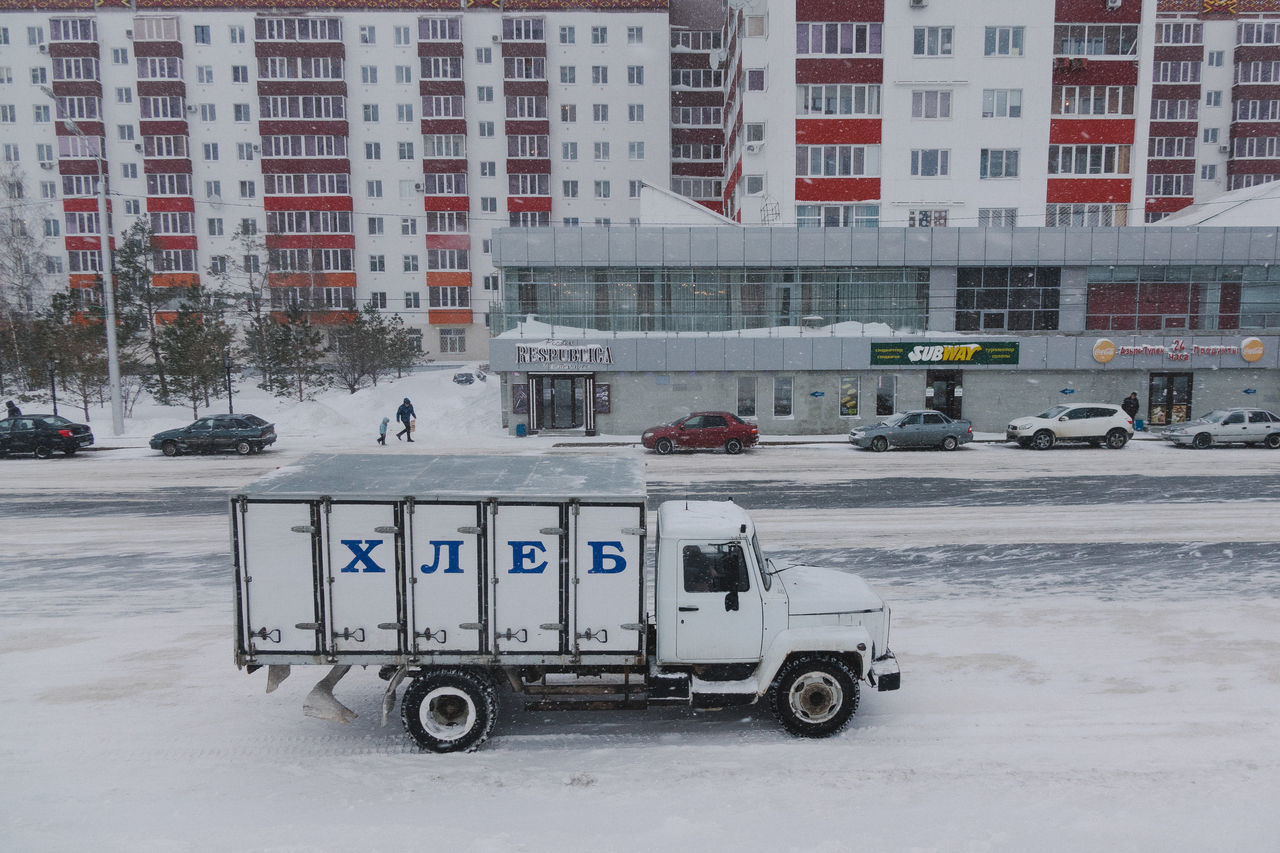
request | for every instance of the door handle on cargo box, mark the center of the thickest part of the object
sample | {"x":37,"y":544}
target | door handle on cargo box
{"x":602,"y":635}
{"x":439,"y":636}
{"x":349,"y":634}
{"x":521,"y":636}
{"x":263,"y":634}
{"x":687,"y":609}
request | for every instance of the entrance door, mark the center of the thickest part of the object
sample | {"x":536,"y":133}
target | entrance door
{"x":944,"y":391}
{"x":1169,"y":398}
{"x":559,"y":402}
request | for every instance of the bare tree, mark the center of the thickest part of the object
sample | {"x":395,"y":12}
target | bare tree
{"x":24,"y":277}
{"x":243,"y":285}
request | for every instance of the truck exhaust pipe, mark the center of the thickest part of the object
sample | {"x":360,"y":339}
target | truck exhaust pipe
{"x":320,"y":702}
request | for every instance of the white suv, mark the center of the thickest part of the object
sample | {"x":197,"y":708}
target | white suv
{"x":1096,"y":423}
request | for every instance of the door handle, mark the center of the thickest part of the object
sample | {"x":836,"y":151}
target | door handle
{"x":687,"y":609}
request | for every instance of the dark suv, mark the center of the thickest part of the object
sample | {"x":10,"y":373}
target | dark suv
{"x":242,"y":433}
{"x":42,"y":435}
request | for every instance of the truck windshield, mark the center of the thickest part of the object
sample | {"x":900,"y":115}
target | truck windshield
{"x":766,"y":580}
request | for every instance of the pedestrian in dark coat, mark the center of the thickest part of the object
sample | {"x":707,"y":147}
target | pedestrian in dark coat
{"x":13,"y":409}
{"x":405,"y":415}
{"x":1131,"y":405}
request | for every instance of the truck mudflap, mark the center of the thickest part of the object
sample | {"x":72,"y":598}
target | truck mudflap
{"x":884,"y":673}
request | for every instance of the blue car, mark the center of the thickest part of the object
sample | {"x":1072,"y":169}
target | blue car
{"x":242,"y":433}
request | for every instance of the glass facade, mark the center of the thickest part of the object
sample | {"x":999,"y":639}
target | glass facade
{"x":620,"y":299}
{"x":994,"y":299}
{"x":1150,"y":298}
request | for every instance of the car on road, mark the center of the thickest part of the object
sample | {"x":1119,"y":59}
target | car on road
{"x":242,"y":433}
{"x":1227,"y":426}
{"x":42,"y":435}
{"x":922,"y":428}
{"x":706,"y":430}
{"x":464,"y":378}
{"x":1096,"y":423}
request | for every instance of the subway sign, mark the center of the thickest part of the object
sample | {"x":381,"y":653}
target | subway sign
{"x":928,"y":354}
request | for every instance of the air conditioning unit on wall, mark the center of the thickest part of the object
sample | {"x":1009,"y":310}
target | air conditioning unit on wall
{"x":754,"y":147}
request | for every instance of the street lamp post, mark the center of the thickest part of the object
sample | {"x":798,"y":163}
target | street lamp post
{"x":226,"y":362}
{"x":108,"y":273}
{"x":52,"y":367}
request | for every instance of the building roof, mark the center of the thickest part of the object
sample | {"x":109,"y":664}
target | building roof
{"x":1258,"y":205}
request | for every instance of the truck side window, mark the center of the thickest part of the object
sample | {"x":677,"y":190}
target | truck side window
{"x":714,"y":568}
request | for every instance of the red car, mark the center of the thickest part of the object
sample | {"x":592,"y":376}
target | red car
{"x":702,"y":429}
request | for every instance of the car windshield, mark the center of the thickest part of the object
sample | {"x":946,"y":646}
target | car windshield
{"x":55,"y":420}
{"x":895,"y":420}
{"x":1214,"y":417}
{"x":1054,"y":412}
{"x":254,"y":419}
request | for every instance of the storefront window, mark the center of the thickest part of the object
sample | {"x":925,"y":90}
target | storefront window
{"x":1012,"y":298}
{"x":848,"y":396}
{"x":1152,"y":298}
{"x":782,"y":392}
{"x":886,"y":391}
{"x":746,"y":396}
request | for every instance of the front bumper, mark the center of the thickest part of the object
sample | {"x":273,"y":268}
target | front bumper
{"x":884,"y":673}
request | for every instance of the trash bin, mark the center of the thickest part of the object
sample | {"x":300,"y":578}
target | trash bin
{"x":521,"y":431}
{"x":1139,"y":424}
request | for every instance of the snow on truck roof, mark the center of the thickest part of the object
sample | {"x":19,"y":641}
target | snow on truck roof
{"x":679,"y":519}
{"x":354,"y":476}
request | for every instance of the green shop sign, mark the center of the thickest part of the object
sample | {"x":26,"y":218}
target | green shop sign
{"x":909,"y":353}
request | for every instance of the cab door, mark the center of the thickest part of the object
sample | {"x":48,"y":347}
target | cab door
{"x":718,"y":604}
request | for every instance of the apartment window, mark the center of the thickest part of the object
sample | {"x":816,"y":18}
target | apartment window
{"x":1215,"y":58}
{"x":635,"y":75}
{"x":1208,"y":173}
{"x":215,"y":227}
{"x":926,"y":218}
{"x":239,"y":74}
{"x":11,"y":152}
{"x":49,"y":189}
{"x":488,"y":168}
{"x":566,"y":35}
{"x":1211,"y":134}
{"x":569,"y":189}
{"x":368,"y":35}
{"x":1213,"y":98}
{"x":408,"y":226}
{"x":932,"y":41}
{"x":484,"y":55}
{"x":568,"y":75}
{"x":248,"y":189}
{"x":218,"y":265}
{"x":1181,"y":109}
{"x":38,"y":76}
{"x":375,"y":224}
{"x":251,"y":263}
{"x":129,"y":170}
{"x":1002,"y":103}
{"x":635,"y":150}
{"x":783,"y":390}
{"x":201,"y":34}
{"x":369,"y":74}
{"x":633,"y":188}
{"x":404,"y":150}
{"x":600,"y":112}
{"x":484,"y":128}
{"x":753,"y":131}
{"x":240,"y":112}
{"x":522,"y":29}
{"x":601,"y":150}
{"x":1089,"y":159}
{"x":373,"y":151}
{"x":41,"y":114}
{"x":1086,"y":215}
{"x":410,"y":263}
{"x":244,"y":150}
{"x":373,"y":189}
{"x":213,"y":189}
{"x":746,"y":397}
{"x":377,"y":263}
{"x":837,"y":161}
{"x":568,"y":112}
{"x":602,"y":189}
{"x":488,"y":204}
{"x":930,"y":162}
{"x":404,"y":113}
{"x":599,"y":75}
{"x":378,"y":299}
{"x":208,"y":113}
{"x":236,"y":33}
{"x":1171,"y":146}
{"x":402,"y":36}
{"x":1003,"y":41}
{"x":838,"y":39}
{"x":755,"y":80}
{"x":599,"y":35}
{"x":211,"y":151}
{"x":998,"y":163}
{"x":370,"y":112}
{"x":119,"y":56}
{"x":484,"y":94}
{"x":568,"y":151}
{"x":1102,"y":100}
{"x":635,"y":112}
{"x":997,"y":217}
{"x":931,"y":103}
{"x":132,"y":207}
{"x":204,"y":73}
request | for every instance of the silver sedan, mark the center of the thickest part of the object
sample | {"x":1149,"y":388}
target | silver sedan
{"x":924,"y":428}
{"x":1223,"y":426}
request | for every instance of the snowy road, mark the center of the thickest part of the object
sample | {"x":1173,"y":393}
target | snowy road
{"x":1088,"y":641}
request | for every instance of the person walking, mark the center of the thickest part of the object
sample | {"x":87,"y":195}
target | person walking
{"x":12,"y":408}
{"x":405,"y":415}
{"x":1131,"y":404}
{"x":382,"y":431}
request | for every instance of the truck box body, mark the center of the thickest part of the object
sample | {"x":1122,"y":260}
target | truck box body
{"x":377,"y":559}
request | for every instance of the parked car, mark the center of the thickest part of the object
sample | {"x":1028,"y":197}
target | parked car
{"x":1221,"y":426}
{"x":1096,"y":423}
{"x":923,"y":428}
{"x":242,"y":433}
{"x":464,"y":378}
{"x":702,"y":429}
{"x":41,"y":435}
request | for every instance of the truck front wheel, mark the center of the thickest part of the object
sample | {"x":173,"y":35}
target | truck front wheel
{"x":814,"y":696}
{"x":449,"y":710}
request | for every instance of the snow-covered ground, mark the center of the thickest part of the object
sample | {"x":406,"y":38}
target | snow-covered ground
{"x":1087,"y":705}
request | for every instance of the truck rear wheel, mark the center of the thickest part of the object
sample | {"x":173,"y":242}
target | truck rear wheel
{"x":814,"y":696}
{"x":449,"y":710}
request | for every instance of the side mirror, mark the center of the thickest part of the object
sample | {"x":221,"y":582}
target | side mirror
{"x":731,"y":600}
{"x":1061,"y":419}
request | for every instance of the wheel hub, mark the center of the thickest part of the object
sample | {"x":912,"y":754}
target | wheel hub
{"x":815,"y":697}
{"x":447,"y":714}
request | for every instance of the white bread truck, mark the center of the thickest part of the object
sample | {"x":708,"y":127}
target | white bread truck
{"x":458,"y":574}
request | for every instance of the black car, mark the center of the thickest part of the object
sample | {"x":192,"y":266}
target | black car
{"x":242,"y":433}
{"x":464,"y":378}
{"x":42,"y":435}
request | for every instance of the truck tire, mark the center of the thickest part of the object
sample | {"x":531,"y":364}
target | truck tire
{"x":449,"y":710}
{"x":814,"y":696}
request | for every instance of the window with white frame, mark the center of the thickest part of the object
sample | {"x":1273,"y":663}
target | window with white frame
{"x":1003,"y":41}
{"x":635,"y":75}
{"x":1097,"y":100}
{"x":568,"y":151}
{"x":997,"y":217}
{"x":838,"y":215}
{"x":1079,"y":215}
{"x":837,"y":161}
{"x":998,"y":163}
{"x":600,"y":112}
{"x":1089,"y":159}
{"x":602,"y":189}
{"x":923,"y":218}
{"x":838,"y":99}
{"x":453,"y":340}
{"x":635,"y":112}
{"x":412,"y":299}
{"x":635,"y":35}
{"x":1170,"y":185}
{"x":1176,"y":72}
{"x":1175,"y":109}
{"x":933,"y":41}
{"x":931,"y":103}
{"x":783,"y":393}
{"x":838,"y":39}
{"x":930,"y":162}
{"x":599,"y":35}
{"x":1002,"y":103}
{"x":1209,"y":173}
{"x":1171,"y":146}
{"x":449,"y":297}
{"x":635,"y":150}
{"x":601,"y":150}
